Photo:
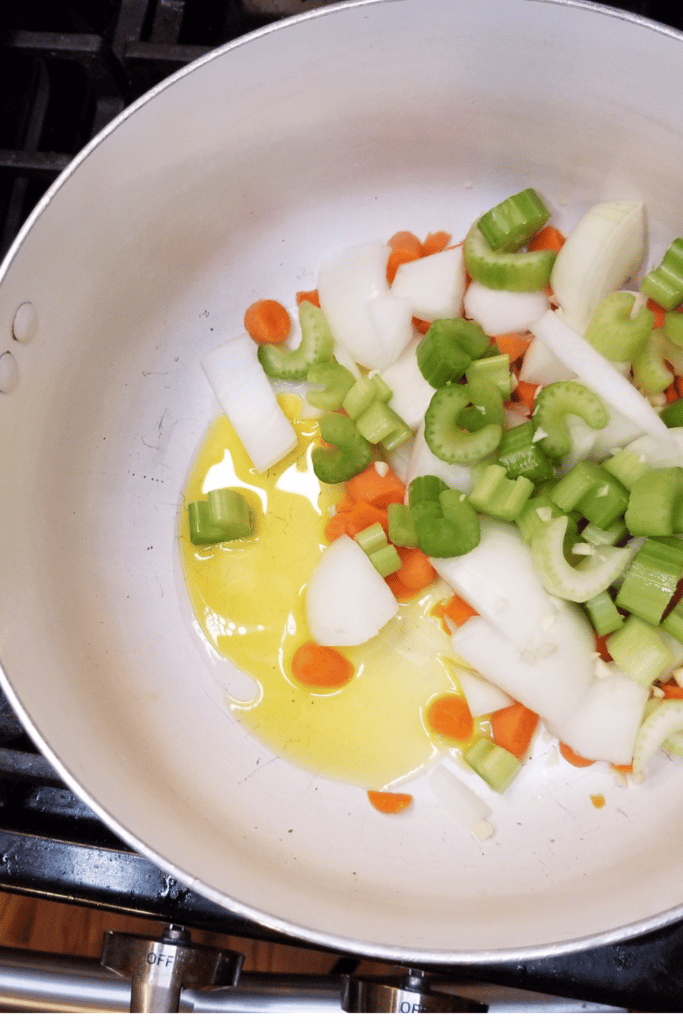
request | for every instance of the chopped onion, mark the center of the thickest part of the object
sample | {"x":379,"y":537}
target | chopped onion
{"x":347,"y":601}
{"x":392,"y":320}
{"x":249,"y":402}
{"x":663,"y":722}
{"x":467,"y":808}
{"x":411,"y":392}
{"x":423,"y":462}
{"x":541,"y":366}
{"x":501,"y":312}
{"x":483,"y":698}
{"x":435,"y":284}
{"x":347,"y":281}
{"x":605,"y":248}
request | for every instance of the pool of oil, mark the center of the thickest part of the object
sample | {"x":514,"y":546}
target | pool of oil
{"x":248,"y":598}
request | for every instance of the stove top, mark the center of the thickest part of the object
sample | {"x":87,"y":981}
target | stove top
{"x":66,"y":69}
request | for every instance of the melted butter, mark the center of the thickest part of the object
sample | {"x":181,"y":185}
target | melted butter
{"x":248,"y":597}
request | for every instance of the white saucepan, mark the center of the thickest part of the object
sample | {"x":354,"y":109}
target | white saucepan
{"x":230,"y":181}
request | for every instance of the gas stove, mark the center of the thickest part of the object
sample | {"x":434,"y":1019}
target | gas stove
{"x":66,"y":69}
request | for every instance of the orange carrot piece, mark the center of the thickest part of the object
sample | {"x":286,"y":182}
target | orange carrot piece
{"x":672,"y":691}
{"x":623,"y":768}
{"x":515,"y":345}
{"x":671,"y":394}
{"x":267,"y":322}
{"x":435,"y":241}
{"x":570,"y":755}
{"x":376,"y":489}
{"x":405,"y":247}
{"x":400,"y":591}
{"x":336,"y":525}
{"x":311,"y":297}
{"x":526,"y":394}
{"x":450,"y":717}
{"x":319,"y":666}
{"x":389,"y":803}
{"x":416,"y":571}
{"x":601,"y":648}
{"x":458,"y":610}
{"x":513,"y":728}
{"x":363,"y":514}
{"x":547,"y":238}
{"x":421,"y":326}
{"x":658,"y":311}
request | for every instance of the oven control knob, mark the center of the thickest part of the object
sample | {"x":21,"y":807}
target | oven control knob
{"x":160,"y":968}
{"x":409,"y":994}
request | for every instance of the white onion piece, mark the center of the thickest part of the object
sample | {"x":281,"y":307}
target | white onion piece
{"x":434,"y":284}
{"x":399,"y":459}
{"x":423,"y":462}
{"x":550,"y":680}
{"x":605,"y":248}
{"x":347,"y":281}
{"x":249,"y":402}
{"x":597,"y":373}
{"x":605,"y":724}
{"x":468,"y":809}
{"x":411,"y":392}
{"x":582,"y":440}
{"x":501,"y":312}
{"x":347,"y":601}
{"x":392,"y":320}
{"x":483,"y":698}
{"x":541,"y":366}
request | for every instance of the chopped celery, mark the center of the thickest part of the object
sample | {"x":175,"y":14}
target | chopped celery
{"x":316,"y":346}
{"x":363,"y":393}
{"x":202,"y":530}
{"x":512,"y":272}
{"x":225,"y":515}
{"x":672,"y":414}
{"x":372,"y":538}
{"x":486,"y":406}
{"x":652,"y":578}
{"x":664,"y":283}
{"x":615,"y":332}
{"x":653,"y":502}
{"x":673,"y":327}
{"x":496,"y":495}
{"x":650,"y":371}
{"x":603,"y":613}
{"x":593,"y":492}
{"x":514,"y":221}
{"x":673,"y":622}
{"x":554,"y":403}
{"x":447,"y":348}
{"x":386,"y":560}
{"x":445,"y":439}
{"x":497,"y":766}
{"x":627,"y":466}
{"x":522,"y":456}
{"x":615,"y":533}
{"x":380,"y":424}
{"x":401,"y":526}
{"x":425,"y":488}
{"x":540,"y":509}
{"x":495,"y":369}
{"x":594,"y":573}
{"x":337,"y":380}
{"x":638,"y":650}
{"x":446,"y":522}
{"x":350,"y":455}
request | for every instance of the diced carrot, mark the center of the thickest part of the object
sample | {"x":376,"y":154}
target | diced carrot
{"x":311,"y":297}
{"x":623,"y":768}
{"x":601,"y":648}
{"x":450,"y":717}
{"x":376,"y":489}
{"x":416,"y":571}
{"x":458,"y":610}
{"x":421,"y":326}
{"x":526,"y":393}
{"x":435,"y":241}
{"x":570,"y":755}
{"x":363,"y":514}
{"x":513,"y":727}
{"x":671,"y":394}
{"x":389,"y":803}
{"x":547,"y":238}
{"x":405,"y":247}
{"x":519,"y":408}
{"x":336,"y":525}
{"x":400,"y":591}
{"x":672,"y":691}
{"x":658,"y":311}
{"x":319,"y":666}
{"x":515,"y":345}
{"x":267,"y":322}
{"x":344,"y":505}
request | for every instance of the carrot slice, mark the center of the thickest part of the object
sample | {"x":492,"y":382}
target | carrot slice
{"x":570,"y":755}
{"x":311,"y":297}
{"x":672,"y":691}
{"x":658,"y":311}
{"x":601,"y":648}
{"x":547,"y":238}
{"x":513,"y":728}
{"x":363,"y":514}
{"x":389,"y":803}
{"x":416,"y":571}
{"x":526,"y":394}
{"x":400,"y":591}
{"x":450,"y":716}
{"x":514,"y":345}
{"x":319,"y":666}
{"x":267,"y":322}
{"x":376,"y":489}
{"x":405,"y":247}
{"x":435,"y":241}
{"x":458,"y":610}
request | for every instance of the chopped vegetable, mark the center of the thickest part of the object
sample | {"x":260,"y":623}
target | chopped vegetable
{"x":513,"y":728}
{"x":416,"y":571}
{"x":337,"y":381}
{"x":316,"y":346}
{"x":351,"y":453}
{"x":618,"y":329}
{"x":638,"y":650}
{"x":513,"y":222}
{"x":434,"y":285}
{"x":663,"y":722}
{"x":449,"y":716}
{"x":377,"y":488}
{"x":318,"y":666}
{"x":593,"y":574}
{"x":405,"y":246}
{"x":267,"y":322}
{"x":389,"y":803}
{"x":652,"y":578}
{"x":512,"y":272}
{"x":664,"y":284}
{"x":554,"y":403}
{"x":496,"y":765}
{"x":443,"y":436}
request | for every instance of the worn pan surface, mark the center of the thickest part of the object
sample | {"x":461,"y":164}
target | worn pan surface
{"x":232,"y":180}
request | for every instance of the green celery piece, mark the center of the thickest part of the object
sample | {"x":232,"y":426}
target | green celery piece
{"x":230,"y":511}
{"x":495,"y":369}
{"x":512,"y":272}
{"x":652,"y":578}
{"x":351,"y":453}
{"x":440,"y":354}
{"x":673,"y":327}
{"x":445,"y":439}
{"x":651,"y":375}
{"x":554,"y":402}
{"x":522,"y":456}
{"x":614,"y":332}
{"x":627,"y":466}
{"x":337,"y":380}
{"x":380,"y":424}
{"x":401,"y":526}
{"x":613,"y":535}
{"x":486,"y":406}
{"x":638,"y":650}
{"x":425,"y":488}
{"x":363,"y":393}
{"x":447,"y":526}
{"x":603,"y":613}
{"x":316,"y":346}
{"x":594,"y":573}
{"x":496,"y":495}
{"x":589,"y":489}
{"x":673,"y":622}
{"x":664,"y":283}
{"x":202,"y":529}
{"x":652,"y":503}
{"x":386,"y":560}
{"x":371,"y":539}
{"x":497,"y":766}
{"x":672,"y":414}
{"x":538,"y":510}
{"x":514,"y":221}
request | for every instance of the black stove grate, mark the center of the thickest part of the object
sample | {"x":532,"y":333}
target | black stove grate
{"x":67,"y":67}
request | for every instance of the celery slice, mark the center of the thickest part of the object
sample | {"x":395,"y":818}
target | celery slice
{"x":495,"y":369}
{"x":588,"y":578}
{"x":445,"y":521}
{"x":497,"y":766}
{"x":627,"y":466}
{"x":639,"y":651}
{"x":486,"y":406}
{"x":615,"y":332}
{"x":363,"y":393}
{"x":447,"y":349}
{"x":593,"y":492}
{"x":657,"y":727}
{"x":496,"y":495}
{"x":673,"y":327}
{"x":337,"y":380}
{"x":350,"y":455}
{"x":653,"y":501}
{"x":652,"y":578}
{"x":603,"y":613}
{"x":445,"y":439}
{"x":512,"y":272}
{"x":401,"y":526}
{"x":664,"y":283}
{"x":316,"y":346}
{"x":672,"y":414}
{"x":514,"y":221}
{"x":592,"y":534}
{"x":224,"y":516}
{"x":554,"y":403}
{"x":650,"y":372}
{"x":380,"y":424}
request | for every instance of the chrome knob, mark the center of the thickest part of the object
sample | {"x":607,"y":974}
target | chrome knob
{"x":410,"y":994}
{"x":160,"y":968}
